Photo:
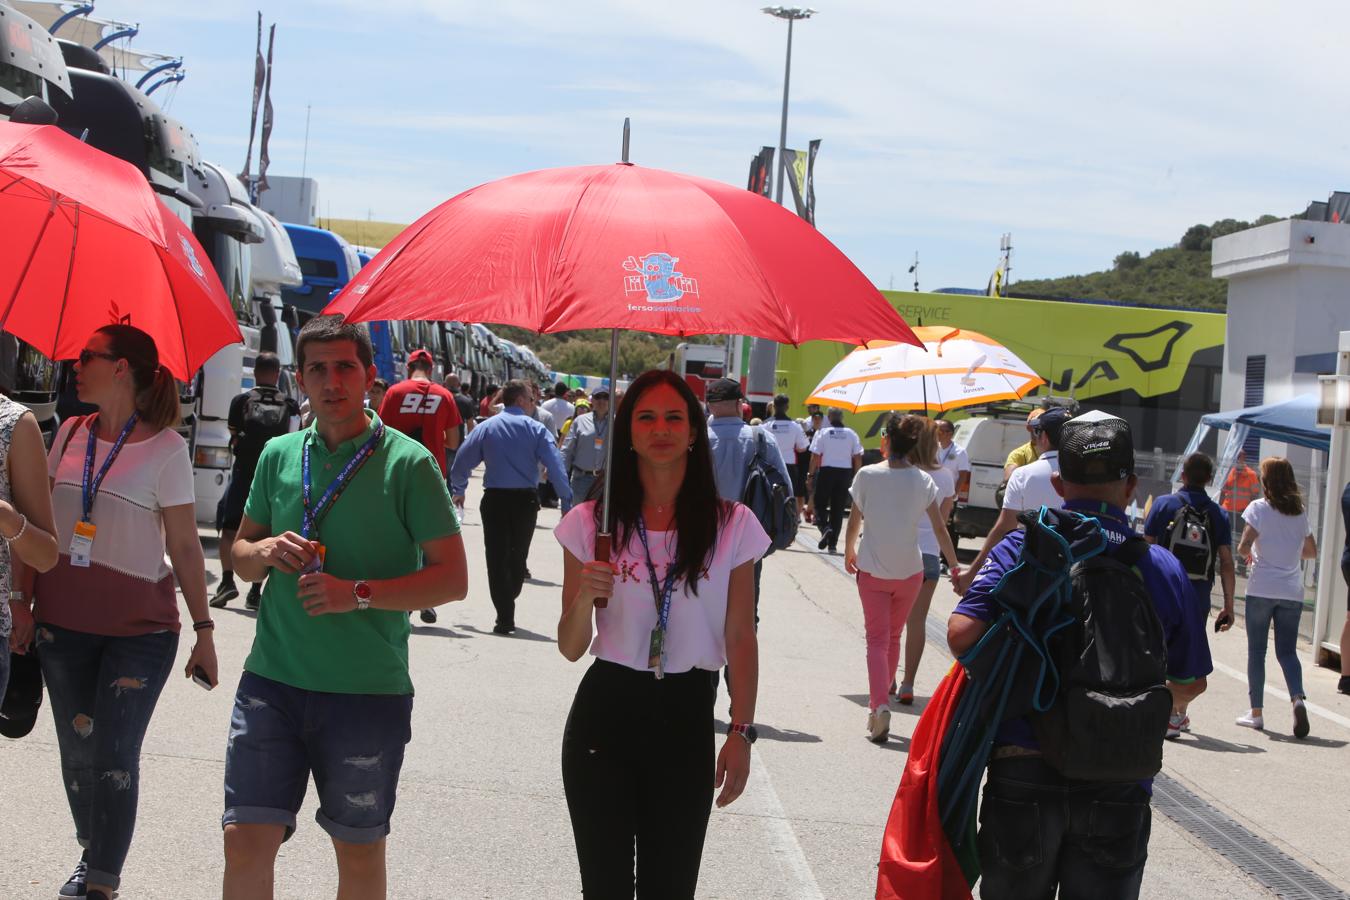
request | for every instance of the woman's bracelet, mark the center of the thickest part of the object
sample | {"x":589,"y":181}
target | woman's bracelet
{"x":203,"y":625}
{"x":23,"y":526}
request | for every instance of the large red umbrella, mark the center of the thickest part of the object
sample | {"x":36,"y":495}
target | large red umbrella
{"x":87,"y":243}
{"x":622,"y":247}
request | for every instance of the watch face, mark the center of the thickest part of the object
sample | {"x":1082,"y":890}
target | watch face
{"x":362,"y":590}
{"x":752,"y":733}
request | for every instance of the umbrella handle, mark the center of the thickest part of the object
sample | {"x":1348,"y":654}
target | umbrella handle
{"x":602,"y":543}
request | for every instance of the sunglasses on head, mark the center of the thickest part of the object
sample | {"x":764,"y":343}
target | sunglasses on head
{"x":87,"y":355}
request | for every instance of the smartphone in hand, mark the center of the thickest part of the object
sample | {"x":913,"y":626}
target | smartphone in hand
{"x":1222,"y":619}
{"x":201,"y":678}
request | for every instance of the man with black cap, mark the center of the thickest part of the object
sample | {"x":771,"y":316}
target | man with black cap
{"x":734,"y":442}
{"x":836,"y":456}
{"x":583,"y":450}
{"x":1029,"y":487}
{"x":1040,"y":829}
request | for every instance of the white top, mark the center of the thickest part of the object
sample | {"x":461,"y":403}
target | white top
{"x":1030,"y":487}
{"x":559,"y":409}
{"x":946,"y":485}
{"x":837,"y":445}
{"x":696,"y":634}
{"x":146,"y":477}
{"x":892,"y":502}
{"x":954,"y":459}
{"x":1277,"y":567}
{"x":790,"y":437}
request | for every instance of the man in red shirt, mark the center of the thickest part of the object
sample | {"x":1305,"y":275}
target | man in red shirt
{"x":426,"y":412}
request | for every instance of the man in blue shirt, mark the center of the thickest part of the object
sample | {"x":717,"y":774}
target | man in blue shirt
{"x":1039,"y":829}
{"x":1196,"y":472}
{"x":513,"y":445}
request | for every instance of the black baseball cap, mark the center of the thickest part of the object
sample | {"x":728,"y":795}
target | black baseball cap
{"x":23,"y":696}
{"x":1052,"y":423}
{"x":724,"y":389}
{"x":1096,"y":448}
{"x":600,"y":394}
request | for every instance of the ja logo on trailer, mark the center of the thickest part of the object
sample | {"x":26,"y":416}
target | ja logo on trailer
{"x":656,"y":277}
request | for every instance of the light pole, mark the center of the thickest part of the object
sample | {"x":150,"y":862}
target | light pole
{"x":792,"y":14}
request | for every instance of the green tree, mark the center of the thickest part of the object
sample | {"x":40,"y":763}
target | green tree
{"x":1127,"y":260}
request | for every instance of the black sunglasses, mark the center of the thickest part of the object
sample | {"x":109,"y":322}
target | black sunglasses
{"x":87,"y":355}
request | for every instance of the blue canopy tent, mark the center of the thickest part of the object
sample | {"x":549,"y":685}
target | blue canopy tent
{"x":1292,"y":421}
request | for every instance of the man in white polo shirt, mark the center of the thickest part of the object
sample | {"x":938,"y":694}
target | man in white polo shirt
{"x":1029,"y":486}
{"x":791,"y":439}
{"x":836,"y":454}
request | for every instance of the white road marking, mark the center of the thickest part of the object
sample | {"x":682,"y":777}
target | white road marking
{"x":799,"y":882}
{"x":1271,"y":689}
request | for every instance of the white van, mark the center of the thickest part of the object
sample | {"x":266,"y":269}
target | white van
{"x":988,"y":441}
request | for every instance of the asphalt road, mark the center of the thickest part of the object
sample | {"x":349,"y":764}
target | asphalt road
{"x":481,"y":811}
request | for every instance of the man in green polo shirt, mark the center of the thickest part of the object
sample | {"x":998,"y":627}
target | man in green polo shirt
{"x":356,"y":524}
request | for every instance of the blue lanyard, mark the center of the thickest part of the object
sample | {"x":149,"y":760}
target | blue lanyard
{"x":661,"y":593}
{"x":314,"y":512}
{"x":90,"y":483}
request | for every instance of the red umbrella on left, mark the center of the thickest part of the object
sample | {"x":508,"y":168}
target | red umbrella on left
{"x":87,"y":243}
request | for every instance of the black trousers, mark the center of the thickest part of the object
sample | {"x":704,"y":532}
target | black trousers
{"x":638,"y":760}
{"x":832,"y":484}
{"x":509,"y":517}
{"x":1040,"y":831}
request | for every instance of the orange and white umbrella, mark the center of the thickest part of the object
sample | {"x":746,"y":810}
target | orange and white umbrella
{"x":955,"y":368}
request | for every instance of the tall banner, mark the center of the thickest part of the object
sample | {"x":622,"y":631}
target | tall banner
{"x":800,"y":173}
{"x":263,"y":159}
{"x":259,"y":73}
{"x":761,"y":167}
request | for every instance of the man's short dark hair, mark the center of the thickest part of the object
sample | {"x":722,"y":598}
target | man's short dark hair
{"x":514,"y":391}
{"x":1197,"y":470}
{"x":945,"y":423}
{"x":781,"y":402}
{"x":379,"y":383}
{"x":560,"y":390}
{"x":267,"y":364}
{"x":326,"y":329}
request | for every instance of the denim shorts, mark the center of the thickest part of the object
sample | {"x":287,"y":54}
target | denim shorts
{"x":352,"y":743}
{"x":932,"y":567}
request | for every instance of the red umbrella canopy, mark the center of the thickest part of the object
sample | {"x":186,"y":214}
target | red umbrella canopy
{"x":622,"y":246}
{"x":87,"y":243}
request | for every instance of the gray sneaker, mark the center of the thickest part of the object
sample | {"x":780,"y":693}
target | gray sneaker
{"x":76,"y":885}
{"x":254,"y":598}
{"x":225,"y":592}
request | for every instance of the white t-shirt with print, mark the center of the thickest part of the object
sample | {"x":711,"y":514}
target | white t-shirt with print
{"x":696,"y":632}
{"x":1277,"y":567}
{"x":946,"y":485}
{"x":1030,"y":487}
{"x":790,"y":437}
{"x":837,"y":445}
{"x":892,"y":501}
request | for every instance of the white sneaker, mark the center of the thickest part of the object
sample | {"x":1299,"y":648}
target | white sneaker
{"x":879,"y":725}
{"x":1176,"y":724}
{"x":1251,"y":721}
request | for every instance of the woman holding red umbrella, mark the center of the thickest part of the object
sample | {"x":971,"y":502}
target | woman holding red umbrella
{"x":638,"y":762}
{"x":107,"y":614}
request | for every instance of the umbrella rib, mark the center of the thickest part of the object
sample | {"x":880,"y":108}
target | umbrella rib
{"x":178,"y":310}
{"x":70,"y":268}
{"x":562,"y":241}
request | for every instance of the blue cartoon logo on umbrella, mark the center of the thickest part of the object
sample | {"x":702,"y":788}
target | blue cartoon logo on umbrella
{"x":191,"y":255}
{"x":655,"y":276}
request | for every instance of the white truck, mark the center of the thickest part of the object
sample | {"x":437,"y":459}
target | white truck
{"x":988,"y":440}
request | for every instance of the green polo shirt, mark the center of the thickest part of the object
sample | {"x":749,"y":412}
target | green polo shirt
{"x":395,"y":503}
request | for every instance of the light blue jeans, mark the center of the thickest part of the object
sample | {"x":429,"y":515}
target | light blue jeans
{"x":1285,"y":613}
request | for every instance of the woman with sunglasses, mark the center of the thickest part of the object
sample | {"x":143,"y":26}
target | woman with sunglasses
{"x":638,"y":750}
{"x":27,"y":532}
{"x":107,"y":613}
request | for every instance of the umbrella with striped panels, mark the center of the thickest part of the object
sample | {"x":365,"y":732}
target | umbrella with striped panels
{"x":955,"y":368}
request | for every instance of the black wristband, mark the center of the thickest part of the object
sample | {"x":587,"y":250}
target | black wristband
{"x":203,"y":625}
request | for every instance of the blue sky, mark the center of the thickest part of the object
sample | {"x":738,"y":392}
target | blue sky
{"x":1080,"y":128}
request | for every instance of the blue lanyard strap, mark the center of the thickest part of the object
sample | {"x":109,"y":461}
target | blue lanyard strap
{"x":661,"y":593}
{"x":315,"y":511}
{"x":90,"y":483}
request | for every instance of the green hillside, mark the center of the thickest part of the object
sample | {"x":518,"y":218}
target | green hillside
{"x":1171,"y":276}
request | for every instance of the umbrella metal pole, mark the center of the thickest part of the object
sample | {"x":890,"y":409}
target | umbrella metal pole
{"x":603,"y":539}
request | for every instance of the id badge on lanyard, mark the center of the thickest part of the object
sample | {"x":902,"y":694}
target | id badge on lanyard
{"x":662,"y":594}
{"x":314,"y":512}
{"x":82,"y":539}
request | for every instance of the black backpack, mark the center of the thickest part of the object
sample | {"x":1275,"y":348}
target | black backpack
{"x":769,"y":497}
{"x":1107,"y":721}
{"x":1191,"y":541}
{"x":266,"y":413}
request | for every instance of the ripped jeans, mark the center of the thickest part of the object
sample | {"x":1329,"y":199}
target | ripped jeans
{"x":352,"y":743}
{"x":103,"y":691}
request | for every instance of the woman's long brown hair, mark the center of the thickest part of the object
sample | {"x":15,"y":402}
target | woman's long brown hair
{"x":1280,"y":486}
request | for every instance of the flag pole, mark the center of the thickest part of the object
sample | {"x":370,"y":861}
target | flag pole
{"x":604,"y":538}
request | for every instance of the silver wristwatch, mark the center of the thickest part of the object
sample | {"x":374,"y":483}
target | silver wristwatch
{"x":362,"y":593}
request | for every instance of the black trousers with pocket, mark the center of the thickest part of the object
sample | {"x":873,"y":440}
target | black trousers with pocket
{"x":832,"y":484}
{"x":509,"y":518}
{"x":638,"y":761}
{"x":1040,"y":831}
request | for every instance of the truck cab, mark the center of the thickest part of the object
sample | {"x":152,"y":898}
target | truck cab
{"x":327,"y":263}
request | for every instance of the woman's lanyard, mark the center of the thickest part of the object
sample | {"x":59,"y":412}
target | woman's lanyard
{"x":662,"y":594}
{"x":82,"y":539}
{"x":314,"y":512}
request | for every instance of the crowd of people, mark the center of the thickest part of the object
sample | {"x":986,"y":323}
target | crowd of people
{"x":343,"y":514}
